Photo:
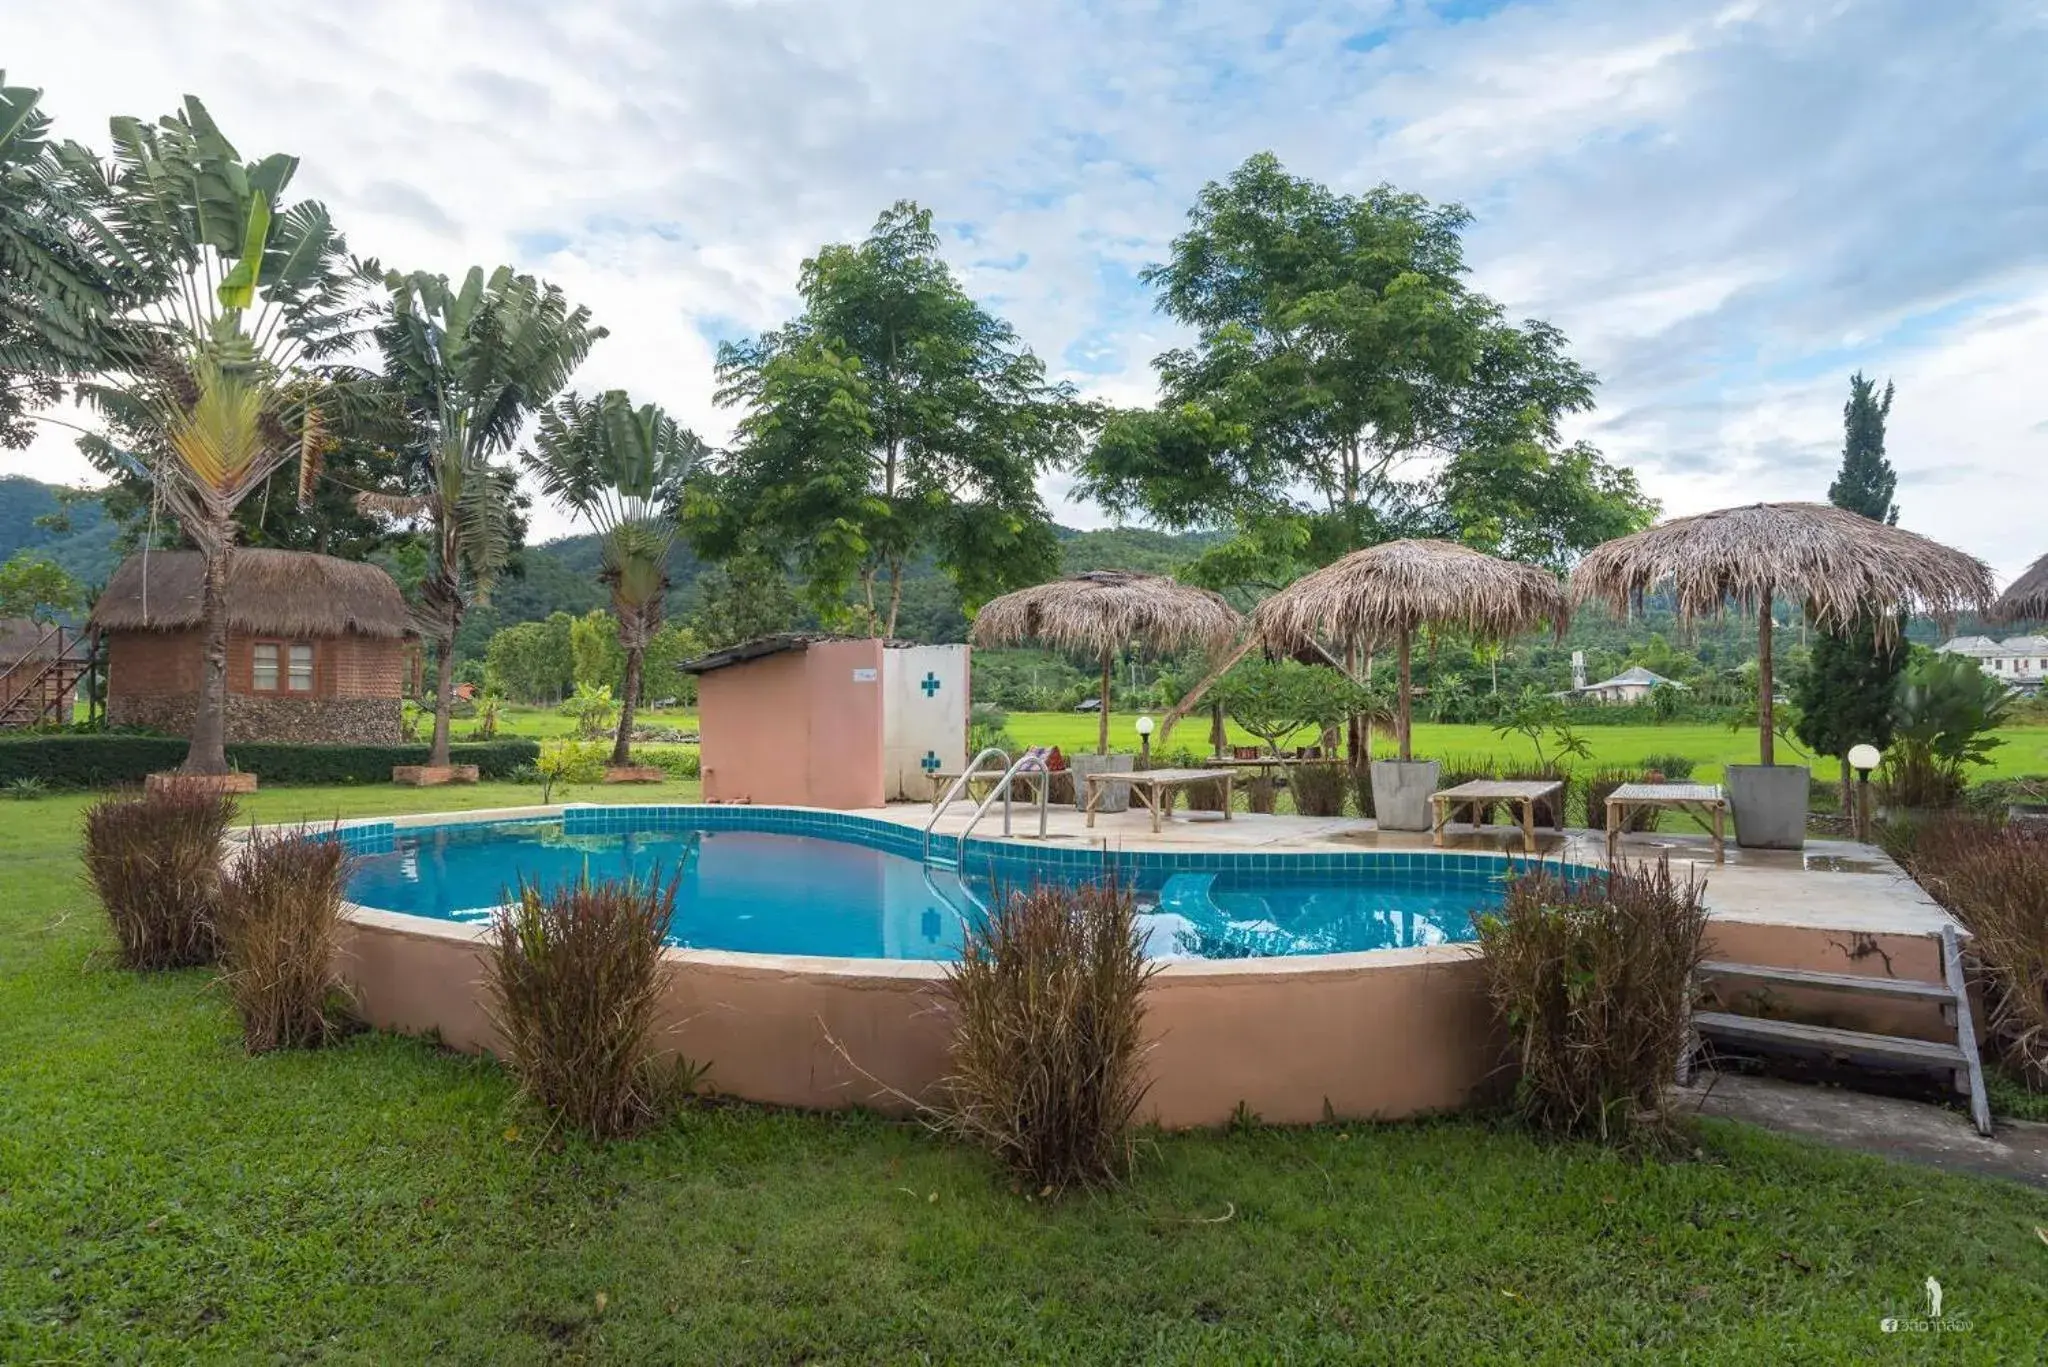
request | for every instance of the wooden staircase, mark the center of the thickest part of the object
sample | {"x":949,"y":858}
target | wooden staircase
{"x":1959,"y":1060}
{"x":35,"y":687}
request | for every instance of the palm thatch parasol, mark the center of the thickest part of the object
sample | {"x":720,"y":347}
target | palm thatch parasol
{"x":1102,"y":611}
{"x":1391,"y":589}
{"x":2026,"y":599}
{"x":1846,"y":567}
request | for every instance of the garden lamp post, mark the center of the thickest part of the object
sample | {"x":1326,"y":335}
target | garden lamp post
{"x":1863,"y":758}
{"x":1145,"y":742}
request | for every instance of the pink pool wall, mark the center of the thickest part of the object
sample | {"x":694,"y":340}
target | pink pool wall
{"x":801,"y":728}
{"x":1385,"y":1034}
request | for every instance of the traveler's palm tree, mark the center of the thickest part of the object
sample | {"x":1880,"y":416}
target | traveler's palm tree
{"x":623,"y":470}
{"x":223,"y":304}
{"x":470,"y":365}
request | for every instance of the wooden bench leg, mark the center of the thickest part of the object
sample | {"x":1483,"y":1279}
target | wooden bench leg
{"x":1094,"y":796}
{"x":1228,"y":781}
{"x":1528,"y":827}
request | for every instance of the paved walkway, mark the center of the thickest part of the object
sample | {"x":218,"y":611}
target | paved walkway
{"x":1889,"y":1127}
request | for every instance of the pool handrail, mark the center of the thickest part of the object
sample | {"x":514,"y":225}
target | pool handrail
{"x":952,"y":794}
{"x":1025,"y":762}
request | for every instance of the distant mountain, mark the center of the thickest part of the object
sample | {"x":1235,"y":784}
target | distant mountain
{"x":561,"y":575}
{"x":85,"y":551}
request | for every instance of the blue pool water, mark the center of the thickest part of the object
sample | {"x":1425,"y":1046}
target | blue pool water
{"x":787,"y":892}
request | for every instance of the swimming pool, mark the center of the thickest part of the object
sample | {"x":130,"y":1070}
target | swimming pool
{"x":760,"y":880}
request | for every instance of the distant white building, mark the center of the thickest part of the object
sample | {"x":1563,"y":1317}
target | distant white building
{"x":2019,"y":662}
{"x":1631,"y":685}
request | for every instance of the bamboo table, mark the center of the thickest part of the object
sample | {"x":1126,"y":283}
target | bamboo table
{"x":1150,"y":786}
{"x":1703,"y":802}
{"x":1484,"y":792}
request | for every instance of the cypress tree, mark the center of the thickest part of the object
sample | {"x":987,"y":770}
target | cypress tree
{"x":1845,"y":696}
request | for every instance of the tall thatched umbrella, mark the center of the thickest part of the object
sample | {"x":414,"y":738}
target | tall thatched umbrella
{"x":1389,"y":590}
{"x":1845,"y":567}
{"x":2026,"y":599}
{"x":1102,"y":611}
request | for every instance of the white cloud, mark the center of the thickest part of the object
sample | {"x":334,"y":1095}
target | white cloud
{"x":1726,"y":210}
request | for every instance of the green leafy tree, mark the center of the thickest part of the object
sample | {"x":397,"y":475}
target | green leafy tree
{"x":1276,"y":699}
{"x":1845,"y":696}
{"x":470,"y":365}
{"x":532,"y":661}
{"x":623,"y":470}
{"x":598,"y":660}
{"x":1347,"y":387}
{"x":894,"y":418}
{"x":666,"y":649}
{"x":744,"y":598}
{"x":36,"y":588}
{"x":215,"y":384}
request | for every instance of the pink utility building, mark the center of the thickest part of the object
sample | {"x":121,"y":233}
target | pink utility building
{"x":822,"y":721}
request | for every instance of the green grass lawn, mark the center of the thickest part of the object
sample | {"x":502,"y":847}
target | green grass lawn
{"x":2025,"y":750}
{"x":165,"y":1198}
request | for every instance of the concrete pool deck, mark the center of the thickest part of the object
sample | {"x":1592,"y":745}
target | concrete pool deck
{"x":1377,"y":1033}
{"x":1839,"y":885}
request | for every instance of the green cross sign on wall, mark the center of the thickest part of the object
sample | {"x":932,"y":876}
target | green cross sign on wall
{"x":930,"y":683}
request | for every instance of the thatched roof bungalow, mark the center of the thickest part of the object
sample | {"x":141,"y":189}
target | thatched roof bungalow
{"x":316,"y":646}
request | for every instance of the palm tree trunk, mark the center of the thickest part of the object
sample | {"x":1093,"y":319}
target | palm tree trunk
{"x":208,"y":751}
{"x":622,"y":748}
{"x":1102,"y":716}
{"x":444,"y":700}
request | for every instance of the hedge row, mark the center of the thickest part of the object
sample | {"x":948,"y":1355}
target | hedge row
{"x":99,"y":761}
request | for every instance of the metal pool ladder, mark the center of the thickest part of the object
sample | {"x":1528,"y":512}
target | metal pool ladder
{"x":1024,"y":763}
{"x":959,"y":785}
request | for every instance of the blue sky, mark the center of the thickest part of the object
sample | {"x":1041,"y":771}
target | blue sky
{"x":1727,"y":207}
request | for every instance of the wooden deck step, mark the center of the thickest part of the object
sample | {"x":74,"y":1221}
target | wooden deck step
{"x":1899,"y":988}
{"x":1854,"y":1044}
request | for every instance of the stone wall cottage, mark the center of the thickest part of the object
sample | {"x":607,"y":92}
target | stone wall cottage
{"x":316,"y":646}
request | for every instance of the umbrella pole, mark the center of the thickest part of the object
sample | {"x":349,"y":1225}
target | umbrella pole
{"x":1766,"y":732}
{"x":1407,"y":750}
{"x":1102,"y":715}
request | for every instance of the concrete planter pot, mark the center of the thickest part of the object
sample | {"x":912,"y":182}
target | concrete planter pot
{"x":1769,"y":805}
{"x":432,"y":775}
{"x":199,"y":785}
{"x":1116,"y":797}
{"x":1400,"y":792}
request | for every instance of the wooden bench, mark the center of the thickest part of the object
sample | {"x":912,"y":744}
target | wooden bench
{"x":1484,"y":792}
{"x":942,"y":782}
{"x":1154,"y":788}
{"x":1703,"y":802}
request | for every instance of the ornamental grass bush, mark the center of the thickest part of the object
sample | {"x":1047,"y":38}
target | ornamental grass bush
{"x":1047,"y":1004}
{"x":154,"y":864}
{"x":1262,"y":794}
{"x":280,"y":926}
{"x":1319,"y":789}
{"x":1593,"y":979}
{"x":1993,"y":878}
{"x":573,"y":975}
